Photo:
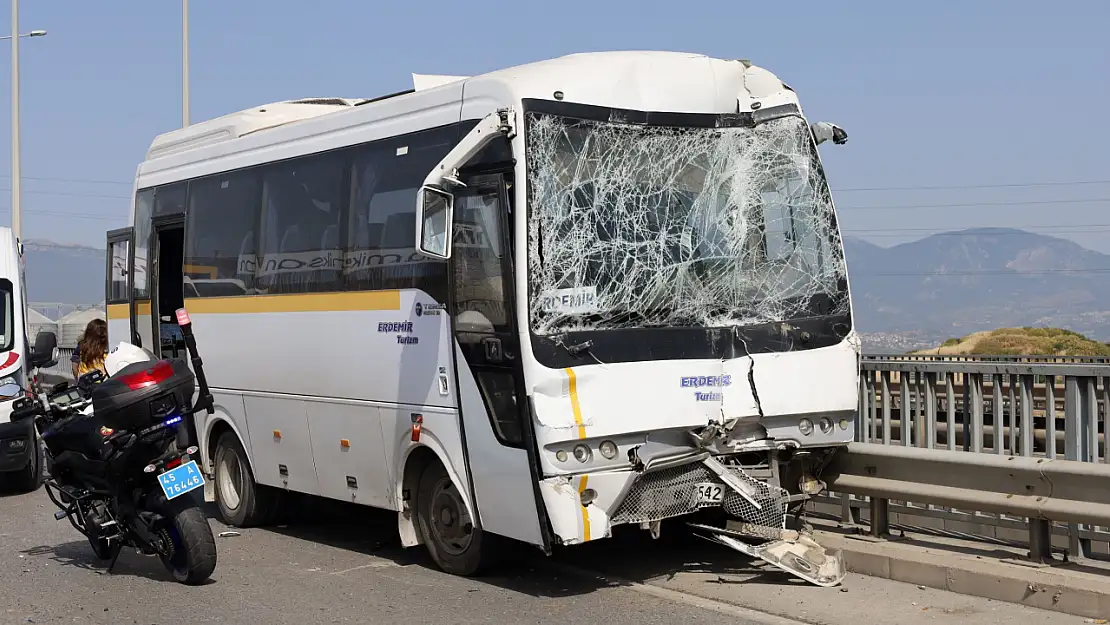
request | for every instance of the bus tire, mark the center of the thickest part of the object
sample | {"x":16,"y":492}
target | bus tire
{"x":242,"y":501}
{"x":445,"y":527}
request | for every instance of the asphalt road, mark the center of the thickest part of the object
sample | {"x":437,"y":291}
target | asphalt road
{"x":335,"y":563}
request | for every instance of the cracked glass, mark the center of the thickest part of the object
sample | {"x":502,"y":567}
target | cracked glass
{"x":634,"y":226}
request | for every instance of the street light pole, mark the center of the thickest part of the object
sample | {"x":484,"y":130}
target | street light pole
{"x":17,"y":192}
{"x":16,"y":189}
{"x":184,"y":62}
{"x":17,"y":195}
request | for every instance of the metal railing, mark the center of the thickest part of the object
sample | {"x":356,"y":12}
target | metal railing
{"x":1004,"y":408}
{"x":1040,"y":489}
{"x":1043,"y":359}
{"x":63,"y":370}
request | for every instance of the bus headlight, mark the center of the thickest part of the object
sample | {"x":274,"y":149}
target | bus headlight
{"x":582,"y":453}
{"x":608,"y":449}
{"x":806,"y":427}
{"x":826,"y":425}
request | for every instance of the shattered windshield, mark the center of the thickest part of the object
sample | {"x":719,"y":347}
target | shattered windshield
{"x":635,"y":226}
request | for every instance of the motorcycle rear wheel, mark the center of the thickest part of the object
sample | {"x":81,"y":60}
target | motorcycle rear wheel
{"x":194,"y":547}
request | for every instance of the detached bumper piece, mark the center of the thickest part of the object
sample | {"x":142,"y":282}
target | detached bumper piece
{"x":764,"y":520}
{"x":794,"y":552}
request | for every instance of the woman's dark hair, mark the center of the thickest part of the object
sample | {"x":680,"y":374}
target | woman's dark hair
{"x":94,"y":342}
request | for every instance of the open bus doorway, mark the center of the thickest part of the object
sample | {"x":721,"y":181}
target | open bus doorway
{"x":168,"y":288}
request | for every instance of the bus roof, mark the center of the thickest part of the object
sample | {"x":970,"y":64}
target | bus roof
{"x":682,"y":81}
{"x":266,"y":116}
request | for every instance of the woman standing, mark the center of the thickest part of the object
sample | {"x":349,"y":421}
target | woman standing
{"x":92,"y":349}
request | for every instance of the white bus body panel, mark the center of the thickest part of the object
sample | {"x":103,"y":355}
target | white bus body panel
{"x":292,"y":385}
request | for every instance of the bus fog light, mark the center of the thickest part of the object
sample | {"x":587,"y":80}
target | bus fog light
{"x":806,"y":427}
{"x":561,"y":455}
{"x":588,"y":496}
{"x":581,"y":453}
{"x":826,"y":425}
{"x":608,"y":449}
{"x":844,"y":424}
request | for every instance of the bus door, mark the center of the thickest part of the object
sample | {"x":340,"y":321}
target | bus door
{"x":499,"y":441}
{"x":117,"y":284}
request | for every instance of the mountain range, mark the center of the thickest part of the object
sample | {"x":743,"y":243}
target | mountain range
{"x":954,"y":283}
{"x":946,"y":285}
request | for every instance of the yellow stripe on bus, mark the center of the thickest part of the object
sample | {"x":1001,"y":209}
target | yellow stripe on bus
{"x":119,"y":311}
{"x":576,"y":407}
{"x":585,"y":511}
{"x":306,"y":302}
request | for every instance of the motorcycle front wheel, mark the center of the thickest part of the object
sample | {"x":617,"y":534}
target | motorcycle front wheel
{"x":193,"y":557}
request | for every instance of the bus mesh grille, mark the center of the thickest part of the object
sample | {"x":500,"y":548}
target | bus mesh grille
{"x":673,"y":492}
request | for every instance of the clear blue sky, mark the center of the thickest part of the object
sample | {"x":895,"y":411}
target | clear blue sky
{"x":940,"y":93}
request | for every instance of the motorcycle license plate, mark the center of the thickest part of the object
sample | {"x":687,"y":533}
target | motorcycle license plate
{"x":183,"y":479}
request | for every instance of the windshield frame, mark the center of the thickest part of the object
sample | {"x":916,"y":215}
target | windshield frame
{"x":685,"y":121}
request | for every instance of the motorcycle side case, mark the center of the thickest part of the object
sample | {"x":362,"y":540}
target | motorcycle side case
{"x":79,"y":434}
{"x":119,"y":407}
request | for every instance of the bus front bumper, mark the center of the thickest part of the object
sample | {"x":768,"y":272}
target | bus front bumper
{"x":585,"y":507}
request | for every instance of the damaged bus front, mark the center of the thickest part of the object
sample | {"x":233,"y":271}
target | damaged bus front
{"x":687,"y":340}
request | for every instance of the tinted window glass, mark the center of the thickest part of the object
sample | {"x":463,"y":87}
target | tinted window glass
{"x":385,"y":178}
{"x":221,"y":234}
{"x":144,"y":206}
{"x":117,"y":292}
{"x":7,"y":316}
{"x":302,"y":219}
{"x":170,"y":199}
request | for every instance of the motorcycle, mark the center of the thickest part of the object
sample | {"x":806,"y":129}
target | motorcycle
{"x":119,"y":451}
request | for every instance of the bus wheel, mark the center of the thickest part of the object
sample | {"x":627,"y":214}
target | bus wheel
{"x":445,"y":526}
{"x":242,"y":502}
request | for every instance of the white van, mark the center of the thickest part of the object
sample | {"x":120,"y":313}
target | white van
{"x":20,"y":452}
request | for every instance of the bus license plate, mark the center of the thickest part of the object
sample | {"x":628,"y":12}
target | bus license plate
{"x":183,"y":479}
{"x":710,"y":493}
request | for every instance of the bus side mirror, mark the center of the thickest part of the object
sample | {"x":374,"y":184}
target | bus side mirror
{"x":435,"y":206}
{"x":824,"y":131}
{"x":45,"y":351}
{"x":433,"y":228}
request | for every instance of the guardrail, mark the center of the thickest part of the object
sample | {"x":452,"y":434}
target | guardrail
{"x":1040,"y":489}
{"x":990,"y":411}
{"x":1042,"y":359}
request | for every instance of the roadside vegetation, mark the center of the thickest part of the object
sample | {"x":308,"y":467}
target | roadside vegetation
{"x":1025,"y":341}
